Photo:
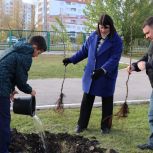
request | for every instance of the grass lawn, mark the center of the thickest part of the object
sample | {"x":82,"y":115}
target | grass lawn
{"x":51,"y":66}
{"x":126,"y":133}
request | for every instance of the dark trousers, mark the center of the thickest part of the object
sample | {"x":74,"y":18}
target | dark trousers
{"x":4,"y":124}
{"x":86,"y":107}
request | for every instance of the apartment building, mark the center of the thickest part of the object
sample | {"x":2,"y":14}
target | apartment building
{"x":28,"y":16}
{"x":1,"y":11}
{"x":15,"y":14}
{"x":69,"y":11}
{"x":43,"y":14}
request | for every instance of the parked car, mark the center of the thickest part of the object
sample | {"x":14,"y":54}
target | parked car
{"x":12,"y":39}
{"x":72,"y":35}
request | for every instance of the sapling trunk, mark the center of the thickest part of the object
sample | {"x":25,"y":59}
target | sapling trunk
{"x":59,"y":103}
{"x":124,"y":110}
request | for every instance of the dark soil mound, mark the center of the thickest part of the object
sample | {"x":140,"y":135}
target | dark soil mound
{"x":55,"y":143}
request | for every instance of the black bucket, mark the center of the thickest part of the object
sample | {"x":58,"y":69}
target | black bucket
{"x":24,"y":105}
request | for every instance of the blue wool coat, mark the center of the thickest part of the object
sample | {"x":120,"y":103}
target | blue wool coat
{"x":14,"y":66}
{"x":107,"y":58}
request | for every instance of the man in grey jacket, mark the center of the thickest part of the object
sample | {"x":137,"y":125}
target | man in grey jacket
{"x":146,"y":63}
{"x":15,"y":63}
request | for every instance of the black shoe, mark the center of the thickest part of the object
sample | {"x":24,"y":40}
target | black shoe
{"x":145,"y":146}
{"x":105,"y":131}
{"x":79,"y":129}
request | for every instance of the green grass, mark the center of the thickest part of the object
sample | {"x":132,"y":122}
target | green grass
{"x":51,"y":66}
{"x":126,"y":133}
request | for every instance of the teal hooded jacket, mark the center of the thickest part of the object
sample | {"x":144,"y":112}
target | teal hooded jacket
{"x":15,"y":63}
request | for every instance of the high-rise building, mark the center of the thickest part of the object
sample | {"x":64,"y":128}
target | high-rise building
{"x":43,"y":14}
{"x":69,"y":11}
{"x":1,"y":12}
{"x":7,"y":6}
{"x":12,"y":13}
{"x":16,"y":15}
{"x":28,"y":16}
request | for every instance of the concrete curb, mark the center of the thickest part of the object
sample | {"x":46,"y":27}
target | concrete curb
{"x":96,"y":104}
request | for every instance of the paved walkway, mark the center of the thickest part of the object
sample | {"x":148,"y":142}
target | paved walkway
{"x":48,"y":90}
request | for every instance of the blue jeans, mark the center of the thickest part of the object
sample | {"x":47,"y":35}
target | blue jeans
{"x":4,"y":124}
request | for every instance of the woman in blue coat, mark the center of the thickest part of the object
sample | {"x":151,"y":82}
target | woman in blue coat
{"x":103,"y":49}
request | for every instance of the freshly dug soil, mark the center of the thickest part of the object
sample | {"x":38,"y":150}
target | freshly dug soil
{"x":55,"y":143}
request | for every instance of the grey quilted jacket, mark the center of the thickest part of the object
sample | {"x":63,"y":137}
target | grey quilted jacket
{"x":148,"y":58}
{"x":15,"y":63}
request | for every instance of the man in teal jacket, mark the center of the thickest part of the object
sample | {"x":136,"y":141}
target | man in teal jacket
{"x":15,"y":63}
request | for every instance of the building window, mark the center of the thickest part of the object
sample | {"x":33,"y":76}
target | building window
{"x":73,"y":9}
{"x":68,"y":3}
{"x":73,"y":21}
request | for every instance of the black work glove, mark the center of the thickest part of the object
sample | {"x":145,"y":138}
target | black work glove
{"x":97,"y":73}
{"x":136,"y":68}
{"x":66,"y":61}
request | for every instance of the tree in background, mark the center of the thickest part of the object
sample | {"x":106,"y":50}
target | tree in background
{"x":14,"y":19}
{"x":126,"y":14}
{"x":134,"y":14}
{"x":61,"y":34}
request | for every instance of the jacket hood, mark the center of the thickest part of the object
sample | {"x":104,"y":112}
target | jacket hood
{"x":20,"y":47}
{"x":23,"y":48}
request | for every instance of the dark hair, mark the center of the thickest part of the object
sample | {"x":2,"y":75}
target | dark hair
{"x":104,"y":20}
{"x":39,"y":41}
{"x":148,"y":21}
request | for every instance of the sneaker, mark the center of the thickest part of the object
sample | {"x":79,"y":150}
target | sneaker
{"x":105,"y":131}
{"x":145,"y":146}
{"x":79,"y":129}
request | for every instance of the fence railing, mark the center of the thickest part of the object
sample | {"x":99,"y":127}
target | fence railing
{"x":72,"y":41}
